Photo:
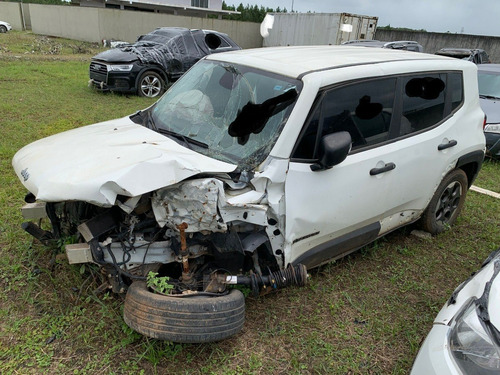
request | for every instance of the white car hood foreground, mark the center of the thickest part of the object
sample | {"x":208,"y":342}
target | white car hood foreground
{"x":474,"y":288}
{"x":96,"y":163}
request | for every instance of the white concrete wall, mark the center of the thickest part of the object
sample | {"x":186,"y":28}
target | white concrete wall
{"x":11,"y":13}
{"x":79,"y":23}
{"x":433,"y":42}
{"x":96,"y":24}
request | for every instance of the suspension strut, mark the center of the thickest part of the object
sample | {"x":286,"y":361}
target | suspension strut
{"x":187,"y":276}
{"x":184,"y":251}
{"x":292,"y":275}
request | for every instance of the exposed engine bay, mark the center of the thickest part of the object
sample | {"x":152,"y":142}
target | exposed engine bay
{"x":193,"y":232}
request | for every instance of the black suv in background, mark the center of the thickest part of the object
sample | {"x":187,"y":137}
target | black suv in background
{"x":156,"y":59}
{"x":477,"y":56}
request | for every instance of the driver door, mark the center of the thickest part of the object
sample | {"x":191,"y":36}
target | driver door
{"x":333,"y":211}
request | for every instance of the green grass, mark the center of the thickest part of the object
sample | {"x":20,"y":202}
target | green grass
{"x":364,"y":314}
{"x":489,"y":178}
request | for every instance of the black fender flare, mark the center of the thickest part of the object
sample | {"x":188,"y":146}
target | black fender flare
{"x":471,"y":164}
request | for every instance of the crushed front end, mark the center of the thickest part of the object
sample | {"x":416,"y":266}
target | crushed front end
{"x":192,"y":232}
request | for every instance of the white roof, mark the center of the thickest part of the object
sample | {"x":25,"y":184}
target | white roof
{"x":297,"y":60}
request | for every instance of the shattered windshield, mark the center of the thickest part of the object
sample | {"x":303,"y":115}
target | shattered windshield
{"x":228,"y":112}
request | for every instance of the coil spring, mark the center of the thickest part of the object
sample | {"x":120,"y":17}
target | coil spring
{"x":292,"y":275}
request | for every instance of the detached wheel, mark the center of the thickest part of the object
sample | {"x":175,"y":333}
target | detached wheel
{"x":150,"y":85}
{"x":195,"y":319}
{"x":446,"y":203}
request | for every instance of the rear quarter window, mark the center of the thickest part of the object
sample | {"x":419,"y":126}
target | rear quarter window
{"x":423,"y":100}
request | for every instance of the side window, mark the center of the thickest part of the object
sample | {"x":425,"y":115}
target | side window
{"x":484,"y":58}
{"x":423,"y":102}
{"x":372,"y":114}
{"x":199,"y":3}
{"x":455,"y":90}
{"x":363,"y":109}
{"x":223,"y":43}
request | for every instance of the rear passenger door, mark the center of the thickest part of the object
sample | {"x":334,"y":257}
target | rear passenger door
{"x":424,"y":145}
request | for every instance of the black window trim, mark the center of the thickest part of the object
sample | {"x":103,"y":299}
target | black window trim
{"x":397,"y":110}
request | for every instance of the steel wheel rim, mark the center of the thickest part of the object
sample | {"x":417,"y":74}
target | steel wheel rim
{"x":448,"y":202}
{"x":150,"y":86}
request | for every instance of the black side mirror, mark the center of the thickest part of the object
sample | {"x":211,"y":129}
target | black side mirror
{"x":333,"y":149}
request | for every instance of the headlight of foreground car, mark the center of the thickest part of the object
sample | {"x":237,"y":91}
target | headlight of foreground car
{"x":120,"y":68}
{"x":492,"y":128}
{"x":471,"y":344}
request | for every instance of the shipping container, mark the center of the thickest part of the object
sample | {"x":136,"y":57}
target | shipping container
{"x":294,"y":29}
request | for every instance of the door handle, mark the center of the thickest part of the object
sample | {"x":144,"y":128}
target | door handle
{"x":386,"y":168}
{"x":444,"y":146}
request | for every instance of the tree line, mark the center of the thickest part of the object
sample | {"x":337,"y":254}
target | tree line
{"x":250,"y":13}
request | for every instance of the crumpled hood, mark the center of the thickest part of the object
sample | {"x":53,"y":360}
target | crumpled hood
{"x":474,"y":288}
{"x":493,"y":303}
{"x":116,"y":55}
{"x":491,"y":107}
{"x":96,"y":163}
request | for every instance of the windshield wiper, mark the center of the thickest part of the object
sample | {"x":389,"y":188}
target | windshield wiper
{"x":150,"y":123}
{"x":186,"y":140}
{"x":488,"y":97}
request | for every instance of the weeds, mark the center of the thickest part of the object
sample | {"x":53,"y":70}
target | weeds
{"x":159,"y":284}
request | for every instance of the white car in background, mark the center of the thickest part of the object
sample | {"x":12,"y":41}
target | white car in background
{"x":465,"y":338}
{"x":4,"y":27}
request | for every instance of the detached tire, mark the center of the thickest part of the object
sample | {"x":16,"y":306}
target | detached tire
{"x":150,"y":85}
{"x":446,"y":204}
{"x":196,"y":319}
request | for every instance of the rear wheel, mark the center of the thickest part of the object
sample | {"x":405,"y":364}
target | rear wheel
{"x":150,"y":85}
{"x":194,"y":319}
{"x":446,"y":204}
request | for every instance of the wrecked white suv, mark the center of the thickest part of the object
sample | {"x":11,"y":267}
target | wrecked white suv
{"x":253,"y":167}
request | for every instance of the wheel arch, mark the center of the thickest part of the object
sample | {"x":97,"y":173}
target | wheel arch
{"x":471,"y":164}
{"x":152,"y":68}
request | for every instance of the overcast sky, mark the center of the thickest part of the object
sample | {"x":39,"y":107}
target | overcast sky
{"x":476,"y":17}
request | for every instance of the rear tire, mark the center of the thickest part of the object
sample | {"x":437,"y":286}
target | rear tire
{"x":195,"y":319}
{"x":446,"y":204}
